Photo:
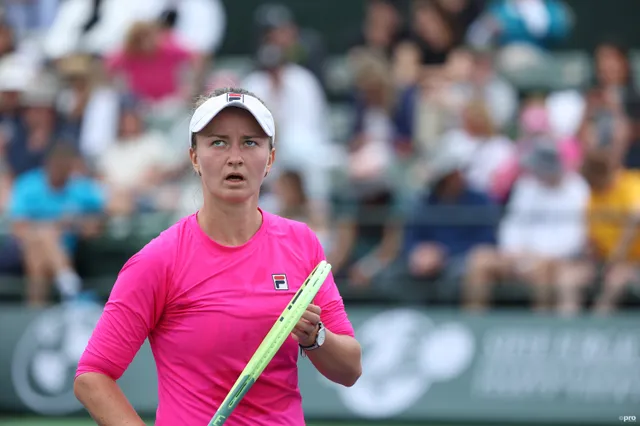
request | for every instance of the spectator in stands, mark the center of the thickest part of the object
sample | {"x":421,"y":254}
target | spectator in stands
{"x":461,"y":14}
{"x":382,"y":28}
{"x":609,"y":101}
{"x":446,"y":93}
{"x":614,"y":251}
{"x":36,"y":128}
{"x":522,"y":31}
{"x":50,"y":209}
{"x":97,"y":27}
{"x":292,"y":203}
{"x":152,"y":65}
{"x":87,"y":104}
{"x":431,"y":32}
{"x":15,"y":78}
{"x":29,"y":17}
{"x":482,"y":81}
{"x":133,"y":167}
{"x":77,"y":83}
{"x":487,"y":150}
{"x":300,"y":108}
{"x":372,"y":142}
{"x":428,"y":111}
{"x":448,"y":226}
{"x":302,"y":46}
{"x":604,"y":127}
{"x":7,"y":39}
{"x":543,"y":227}
{"x":367,"y":233}
{"x":539,"y":23}
{"x":534,"y":127}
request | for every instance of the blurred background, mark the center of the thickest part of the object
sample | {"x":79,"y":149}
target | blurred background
{"x":471,"y":168}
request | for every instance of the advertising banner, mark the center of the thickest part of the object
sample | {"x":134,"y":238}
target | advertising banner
{"x":419,"y":364}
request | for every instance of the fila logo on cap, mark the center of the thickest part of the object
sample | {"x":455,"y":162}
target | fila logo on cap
{"x":280,"y":282}
{"x":235,"y":97}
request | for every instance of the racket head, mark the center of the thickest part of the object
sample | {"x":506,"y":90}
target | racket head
{"x":273,"y":341}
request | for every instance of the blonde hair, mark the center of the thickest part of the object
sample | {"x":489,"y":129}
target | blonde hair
{"x":136,"y":35}
{"x":479,"y":111}
{"x":371,"y":69}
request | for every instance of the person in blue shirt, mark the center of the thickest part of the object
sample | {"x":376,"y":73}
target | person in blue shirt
{"x":49,"y":209}
{"x":448,"y":224}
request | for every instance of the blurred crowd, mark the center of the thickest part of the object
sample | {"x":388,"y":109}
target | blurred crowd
{"x":450,"y":182}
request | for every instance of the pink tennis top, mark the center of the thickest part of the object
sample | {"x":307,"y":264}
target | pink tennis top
{"x":205,"y":309}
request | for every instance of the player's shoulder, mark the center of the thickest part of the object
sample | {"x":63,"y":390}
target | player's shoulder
{"x":289,"y":228}
{"x":163,"y":249}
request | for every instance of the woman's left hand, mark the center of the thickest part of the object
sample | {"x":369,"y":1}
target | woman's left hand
{"x":306,"y":329}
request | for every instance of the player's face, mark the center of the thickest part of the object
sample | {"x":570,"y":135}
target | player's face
{"x":233,"y":155}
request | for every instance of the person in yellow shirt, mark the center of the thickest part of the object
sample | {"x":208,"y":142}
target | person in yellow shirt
{"x":614,"y":241}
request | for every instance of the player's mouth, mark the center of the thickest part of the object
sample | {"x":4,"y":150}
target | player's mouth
{"x":234,"y":177}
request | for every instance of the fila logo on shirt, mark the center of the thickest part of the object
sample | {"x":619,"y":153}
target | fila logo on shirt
{"x":280,"y":282}
{"x":235,"y":97}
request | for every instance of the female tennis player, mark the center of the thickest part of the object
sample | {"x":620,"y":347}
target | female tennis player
{"x":207,"y":290}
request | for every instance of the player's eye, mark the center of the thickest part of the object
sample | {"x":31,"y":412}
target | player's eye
{"x":218,"y":142}
{"x":251,"y":143}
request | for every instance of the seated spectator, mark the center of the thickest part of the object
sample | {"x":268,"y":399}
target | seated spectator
{"x":292,"y":203}
{"x":152,"y":64}
{"x":534,"y":130}
{"x":302,"y":46}
{"x":50,"y":209}
{"x":614,"y":251}
{"x":382,"y":28}
{"x":486,"y":149}
{"x":15,"y":79}
{"x":544,"y":225}
{"x":134,"y":167}
{"x":367,"y":233}
{"x":372,"y":142}
{"x":538,"y":23}
{"x":300,"y":108}
{"x":609,"y":102}
{"x":448,"y":226}
{"x":522,"y":32}
{"x":35,"y":129}
{"x":478,"y":78}
{"x":80,"y":92}
{"x":7,"y":38}
{"x":431,"y":32}
{"x":467,"y":78}
{"x":461,"y":14}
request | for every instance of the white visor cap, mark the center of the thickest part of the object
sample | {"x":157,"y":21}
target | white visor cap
{"x":212,"y":107}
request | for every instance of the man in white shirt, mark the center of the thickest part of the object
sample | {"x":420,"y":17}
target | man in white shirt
{"x":301,"y":112}
{"x":544,"y":224}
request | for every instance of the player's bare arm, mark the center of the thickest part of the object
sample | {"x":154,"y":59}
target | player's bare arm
{"x":104,"y":400}
{"x":338,"y":357}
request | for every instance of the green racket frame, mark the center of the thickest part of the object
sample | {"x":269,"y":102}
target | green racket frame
{"x":272,"y":342}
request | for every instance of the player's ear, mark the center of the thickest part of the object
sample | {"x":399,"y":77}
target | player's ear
{"x":194,"y":161}
{"x":270,"y":160}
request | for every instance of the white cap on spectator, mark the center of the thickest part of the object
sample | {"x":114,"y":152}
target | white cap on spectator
{"x":209,"y":109}
{"x":15,"y":74}
{"x":448,"y":161}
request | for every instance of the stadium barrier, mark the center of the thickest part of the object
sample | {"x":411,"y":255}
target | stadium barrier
{"x":419,"y":365}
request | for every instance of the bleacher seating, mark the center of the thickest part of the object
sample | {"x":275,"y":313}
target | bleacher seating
{"x":99,"y":260}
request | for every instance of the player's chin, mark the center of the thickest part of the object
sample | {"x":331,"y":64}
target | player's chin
{"x":236,"y":195}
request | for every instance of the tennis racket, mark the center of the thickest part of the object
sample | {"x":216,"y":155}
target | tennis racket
{"x":272,"y":342}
